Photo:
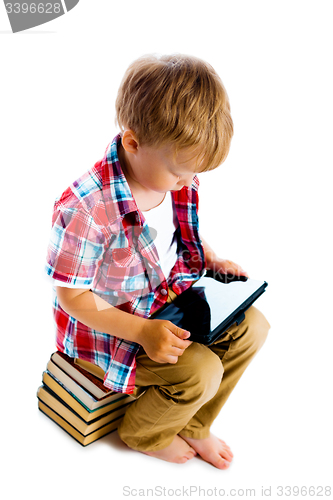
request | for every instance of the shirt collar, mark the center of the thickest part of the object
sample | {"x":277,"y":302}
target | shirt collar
{"x":118,"y":197}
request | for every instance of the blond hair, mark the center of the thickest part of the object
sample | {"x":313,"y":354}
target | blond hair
{"x":178,"y":100}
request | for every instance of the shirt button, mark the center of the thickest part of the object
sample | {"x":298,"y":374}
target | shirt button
{"x":164,"y":292}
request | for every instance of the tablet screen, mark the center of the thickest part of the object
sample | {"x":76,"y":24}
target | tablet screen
{"x":224,"y":299}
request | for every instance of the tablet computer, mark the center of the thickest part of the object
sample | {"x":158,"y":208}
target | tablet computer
{"x":210,"y":307}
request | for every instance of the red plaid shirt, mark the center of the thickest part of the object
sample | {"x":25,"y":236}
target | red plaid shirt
{"x":100,"y":241}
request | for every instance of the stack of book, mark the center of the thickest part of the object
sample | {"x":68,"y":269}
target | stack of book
{"x":73,"y":396}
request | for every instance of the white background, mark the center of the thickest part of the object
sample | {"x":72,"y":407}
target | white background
{"x":268,"y":207}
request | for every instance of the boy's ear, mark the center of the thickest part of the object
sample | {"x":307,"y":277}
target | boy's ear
{"x":130,"y":142}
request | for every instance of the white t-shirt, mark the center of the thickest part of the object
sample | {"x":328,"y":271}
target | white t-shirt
{"x":163,"y":222}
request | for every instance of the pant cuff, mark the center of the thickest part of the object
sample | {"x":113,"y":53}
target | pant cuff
{"x":195,"y":434}
{"x":146,"y":447}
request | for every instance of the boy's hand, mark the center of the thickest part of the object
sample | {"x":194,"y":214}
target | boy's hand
{"x":223,"y":266}
{"x":163,"y":341}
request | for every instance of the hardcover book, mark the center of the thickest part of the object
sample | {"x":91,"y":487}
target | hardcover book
{"x":76,"y":404}
{"x":69,"y":397}
{"x":50,"y":399}
{"x":81,"y":438}
{"x":83,"y":377}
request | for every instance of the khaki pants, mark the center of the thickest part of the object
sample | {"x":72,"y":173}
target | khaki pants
{"x":185,"y":398}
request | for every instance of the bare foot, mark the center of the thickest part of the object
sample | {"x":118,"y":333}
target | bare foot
{"x":178,"y":452}
{"x":212,"y":450}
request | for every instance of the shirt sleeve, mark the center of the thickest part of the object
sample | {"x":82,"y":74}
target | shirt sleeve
{"x":54,"y":282}
{"x":75,"y":249}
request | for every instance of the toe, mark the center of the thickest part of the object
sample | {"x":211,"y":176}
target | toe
{"x":185,"y":458}
{"x":226,"y":455}
{"x":190,"y":453}
{"x":226,"y":464}
{"x":220,"y":463}
{"x":226,"y":451}
{"x":225,"y":445}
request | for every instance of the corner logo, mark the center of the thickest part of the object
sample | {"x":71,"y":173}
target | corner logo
{"x":25,"y":15}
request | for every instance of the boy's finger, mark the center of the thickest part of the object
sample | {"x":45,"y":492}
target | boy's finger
{"x":179,"y":332}
{"x":180,"y":343}
{"x":176,"y":351}
{"x":172,"y":359}
{"x":241,"y":272}
{"x":177,"y":340}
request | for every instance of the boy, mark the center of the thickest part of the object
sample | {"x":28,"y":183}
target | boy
{"x":125,"y":240}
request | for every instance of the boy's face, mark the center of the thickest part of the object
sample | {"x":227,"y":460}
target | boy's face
{"x":158,"y":169}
